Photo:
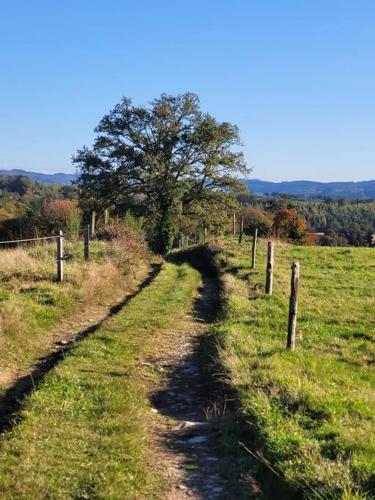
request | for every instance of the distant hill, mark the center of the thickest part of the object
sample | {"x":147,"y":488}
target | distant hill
{"x":59,"y":178}
{"x":362,"y":189}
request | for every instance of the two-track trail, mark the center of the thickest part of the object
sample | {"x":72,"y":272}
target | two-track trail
{"x":130,"y":409}
{"x":188,"y":408}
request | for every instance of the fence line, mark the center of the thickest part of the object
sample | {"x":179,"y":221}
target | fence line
{"x":29,"y":239}
{"x":59,"y":251}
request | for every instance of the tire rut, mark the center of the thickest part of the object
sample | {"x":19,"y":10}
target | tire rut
{"x":189,"y":411}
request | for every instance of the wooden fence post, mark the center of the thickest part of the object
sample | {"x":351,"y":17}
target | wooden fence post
{"x":234,"y":223}
{"x":241,"y":229}
{"x":205,"y":235}
{"x":60,"y":257}
{"x":270,"y":264}
{"x":93,"y":223}
{"x":86,"y":242}
{"x":254,"y":249}
{"x":106,"y":217}
{"x":293,"y":306}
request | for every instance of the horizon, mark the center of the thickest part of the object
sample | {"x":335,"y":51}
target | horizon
{"x":296,"y":79}
{"x":245,"y":178}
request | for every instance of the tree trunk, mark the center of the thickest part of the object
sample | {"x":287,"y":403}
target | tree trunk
{"x":165,"y":228}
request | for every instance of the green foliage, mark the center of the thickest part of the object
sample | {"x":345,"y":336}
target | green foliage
{"x":344,"y":221}
{"x":257,"y":218}
{"x":74,"y":222}
{"x":21,"y":203}
{"x":213,"y":212}
{"x":135,"y":223}
{"x":171,"y":153}
{"x":349,"y":222}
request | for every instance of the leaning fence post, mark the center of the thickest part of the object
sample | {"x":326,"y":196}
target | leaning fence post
{"x":293,"y":306}
{"x":254,"y":249}
{"x":241,"y":229}
{"x":270,"y":263}
{"x":234,"y":223}
{"x":60,"y":257}
{"x":86,"y":242}
{"x":93,"y":222}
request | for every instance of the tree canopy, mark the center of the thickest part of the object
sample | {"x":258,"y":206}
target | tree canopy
{"x":170,"y":152}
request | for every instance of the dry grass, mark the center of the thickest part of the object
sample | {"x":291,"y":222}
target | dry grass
{"x":32,"y":304}
{"x":19,"y":260}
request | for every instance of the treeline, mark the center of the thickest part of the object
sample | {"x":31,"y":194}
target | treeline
{"x":343,"y":221}
{"x":28,"y":208}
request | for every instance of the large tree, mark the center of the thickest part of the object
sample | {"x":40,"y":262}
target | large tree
{"x":170,"y":152}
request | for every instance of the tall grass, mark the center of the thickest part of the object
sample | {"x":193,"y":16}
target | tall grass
{"x":33,"y":305}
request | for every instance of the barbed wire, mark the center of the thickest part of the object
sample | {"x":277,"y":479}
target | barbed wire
{"x":29,"y":239}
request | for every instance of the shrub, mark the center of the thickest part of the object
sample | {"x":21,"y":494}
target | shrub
{"x":289,"y":225}
{"x":128,"y":244}
{"x":61,"y":214}
{"x":257,"y":218}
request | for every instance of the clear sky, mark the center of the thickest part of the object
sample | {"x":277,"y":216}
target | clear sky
{"x":297,"y":77}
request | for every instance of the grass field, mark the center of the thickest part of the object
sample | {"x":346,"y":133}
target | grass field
{"x":84,"y":432}
{"x":314,"y":409}
{"x":33,"y":305}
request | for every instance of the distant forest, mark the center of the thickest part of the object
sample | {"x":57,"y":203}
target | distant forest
{"x":24,"y":203}
{"x":343,"y":221}
{"x":28,"y":208}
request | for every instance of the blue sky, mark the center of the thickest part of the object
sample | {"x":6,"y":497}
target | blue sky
{"x":297,"y":77}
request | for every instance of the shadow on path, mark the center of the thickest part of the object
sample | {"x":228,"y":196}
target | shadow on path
{"x":203,"y":426}
{"x":11,"y":401}
{"x":194,"y":407}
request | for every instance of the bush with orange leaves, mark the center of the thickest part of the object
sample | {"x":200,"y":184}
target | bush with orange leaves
{"x":287,"y":224}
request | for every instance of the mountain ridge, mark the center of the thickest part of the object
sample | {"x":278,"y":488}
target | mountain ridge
{"x":57,"y":178}
{"x":336,"y":189}
{"x":350,"y":189}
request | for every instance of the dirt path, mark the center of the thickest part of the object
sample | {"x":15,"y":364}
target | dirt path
{"x":188,"y":411}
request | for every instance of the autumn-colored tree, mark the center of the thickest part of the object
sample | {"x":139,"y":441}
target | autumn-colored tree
{"x":287,"y":224}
